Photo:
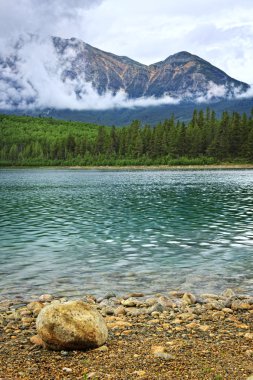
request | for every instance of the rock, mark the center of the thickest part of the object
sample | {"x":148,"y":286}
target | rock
{"x":119,"y":325}
{"x":133,"y":295}
{"x":35,"y":305}
{"x":192,"y":325}
{"x":161,"y":352}
{"x":210,"y":296}
{"x":46,"y":298}
{"x":150,"y":301}
{"x":72,"y":325}
{"x":248,"y":336}
{"x":189,"y":299}
{"x":228,"y":293}
{"x":204,"y":328}
{"x":135,"y":312}
{"x":36,"y":339}
{"x":110,"y":295}
{"x":249,"y":353}
{"x":91,"y":375}
{"x":215,"y":305}
{"x":66,"y":369}
{"x":157,"y":307}
{"x":176,"y":294}
{"x":218,"y":315}
{"x":241,"y":305}
{"x":102,"y":349}
{"x":130,"y":302}
{"x":140,"y":373}
{"x":120,"y":310}
{"x":250,"y":377}
{"x":166,"y":302}
{"x":108,"y":310}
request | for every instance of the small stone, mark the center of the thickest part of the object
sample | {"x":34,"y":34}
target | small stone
{"x":204,"y":328}
{"x":120,"y":310}
{"x":248,"y":336}
{"x":46,"y":298}
{"x":66,"y":369}
{"x":192,"y":325}
{"x":242,"y":326}
{"x":241,"y":305}
{"x":130,"y":302}
{"x":166,"y":302}
{"x":91,"y":375}
{"x":102,"y":349}
{"x":119,"y":325}
{"x":109,"y":295}
{"x":27,"y":320}
{"x":164,"y":355}
{"x":133,"y":295}
{"x":161,"y":352}
{"x":215,"y":305}
{"x":228,"y":293}
{"x":189,"y":298}
{"x":218,"y":315}
{"x":140,"y":373}
{"x":150,"y":301}
{"x":227,"y":310}
{"x":36,"y":339}
{"x":157,"y":307}
{"x":176,"y":294}
{"x":249,"y":353}
{"x":250,"y":377}
{"x":210,"y":296}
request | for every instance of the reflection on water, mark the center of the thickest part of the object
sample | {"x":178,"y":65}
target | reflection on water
{"x":73,"y":232}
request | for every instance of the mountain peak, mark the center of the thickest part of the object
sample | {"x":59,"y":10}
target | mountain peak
{"x":77,"y":68}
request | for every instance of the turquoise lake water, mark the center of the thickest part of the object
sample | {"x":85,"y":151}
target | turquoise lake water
{"x":73,"y":232}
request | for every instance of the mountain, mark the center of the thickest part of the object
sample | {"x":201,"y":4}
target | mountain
{"x":56,"y":76}
{"x":181,"y":74}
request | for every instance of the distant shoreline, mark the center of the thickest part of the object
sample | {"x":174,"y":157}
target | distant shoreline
{"x":139,"y":167}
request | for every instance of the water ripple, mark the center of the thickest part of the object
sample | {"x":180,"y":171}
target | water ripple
{"x":72,"y":232}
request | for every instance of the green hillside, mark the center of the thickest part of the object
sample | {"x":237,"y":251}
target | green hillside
{"x":205,"y":139}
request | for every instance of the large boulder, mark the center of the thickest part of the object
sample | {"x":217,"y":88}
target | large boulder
{"x":72,"y":325}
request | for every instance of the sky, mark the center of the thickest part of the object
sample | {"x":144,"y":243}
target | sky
{"x":220,"y":31}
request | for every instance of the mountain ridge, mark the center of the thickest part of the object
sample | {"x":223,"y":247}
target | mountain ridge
{"x":177,"y":75}
{"x":58,"y":73}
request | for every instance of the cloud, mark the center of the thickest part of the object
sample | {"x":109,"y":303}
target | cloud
{"x":219,"y":31}
{"x":35,"y":80}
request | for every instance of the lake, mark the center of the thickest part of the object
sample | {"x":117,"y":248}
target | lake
{"x":73,"y":232}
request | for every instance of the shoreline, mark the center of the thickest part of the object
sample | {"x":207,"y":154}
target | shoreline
{"x":139,"y":167}
{"x":169,"y":336}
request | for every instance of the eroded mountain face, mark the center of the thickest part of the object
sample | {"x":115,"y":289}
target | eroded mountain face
{"x":74,"y":66}
{"x":180,"y":74}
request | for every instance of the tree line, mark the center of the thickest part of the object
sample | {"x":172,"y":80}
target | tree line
{"x":202,"y":140}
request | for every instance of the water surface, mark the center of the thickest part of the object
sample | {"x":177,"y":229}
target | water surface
{"x":72,"y":232}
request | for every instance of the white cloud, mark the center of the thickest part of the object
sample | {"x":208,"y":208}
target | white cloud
{"x":38,"y":82}
{"x":220,"y":31}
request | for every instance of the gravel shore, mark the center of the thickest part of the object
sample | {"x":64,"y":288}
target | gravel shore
{"x":173,"y":336}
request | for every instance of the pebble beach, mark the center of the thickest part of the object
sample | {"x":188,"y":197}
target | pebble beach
{"x":174,"y":336}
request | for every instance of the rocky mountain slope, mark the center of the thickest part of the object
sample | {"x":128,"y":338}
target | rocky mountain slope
{"x":181,"y":74}
{"x":68,"y":73}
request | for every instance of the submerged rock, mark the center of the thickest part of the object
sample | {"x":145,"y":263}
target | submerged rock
{"x":72,"y":325}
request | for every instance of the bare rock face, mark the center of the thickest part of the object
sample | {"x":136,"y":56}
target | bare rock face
{"x":71,"y":325}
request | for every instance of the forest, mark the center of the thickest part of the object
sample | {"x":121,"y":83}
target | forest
{"x":205,"y":139}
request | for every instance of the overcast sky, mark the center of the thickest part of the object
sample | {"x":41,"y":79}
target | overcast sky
{"x":220,"y":31}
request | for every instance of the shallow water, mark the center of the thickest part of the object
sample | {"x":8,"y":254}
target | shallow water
{"x":72,"y":232}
